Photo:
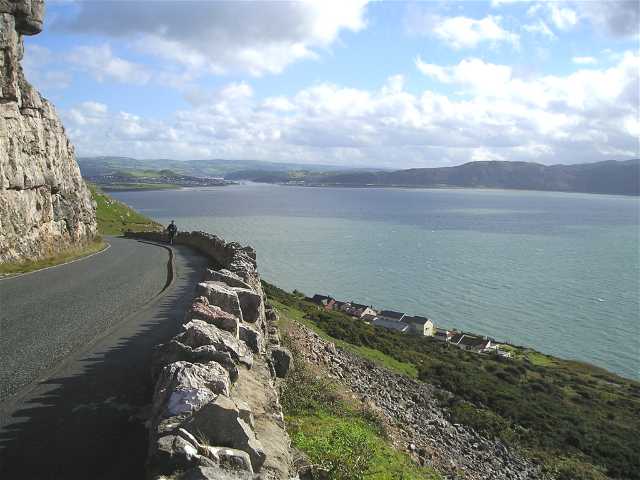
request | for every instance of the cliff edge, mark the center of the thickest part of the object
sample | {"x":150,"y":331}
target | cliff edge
{"x":45,"y":206}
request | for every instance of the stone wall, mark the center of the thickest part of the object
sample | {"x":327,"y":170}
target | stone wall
{"x":45,"y":207}
{"x":417,"y":421}
{"x":216,"y":412}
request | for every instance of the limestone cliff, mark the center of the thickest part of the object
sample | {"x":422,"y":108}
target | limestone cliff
{"x":45,"y":207}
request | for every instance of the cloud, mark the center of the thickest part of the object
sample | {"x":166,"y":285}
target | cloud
{"x":464,"y":32}
{"x":619,"y":18}
{"x":584,"y":60}
{"x":100,"y":62}
{"x":587,"y":115}
{"x":540,"y":28}
{"x":220,"y":37}
{"x":564,"y":18}
{"x":38,"y":62}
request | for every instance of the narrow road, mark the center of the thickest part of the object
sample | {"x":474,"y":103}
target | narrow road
{"x":75,"y":346}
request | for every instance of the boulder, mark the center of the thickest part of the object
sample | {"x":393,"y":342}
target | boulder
{"x":212,"y":473}
{"x":230,"y":458}
{"x":208,"y":353}
{"x":250,"y":304}
{"x":221,"y":295}
{"x":226,"y":276}
{"x":282,"y":361}
{"x":174,"y":351}
{"x":252,"y":337}
{"x":214,"y":315}
{"x":173,"y":452}
{"x":198,"y":334}
{"x":184,"y":387}
{"x":221,"y":424}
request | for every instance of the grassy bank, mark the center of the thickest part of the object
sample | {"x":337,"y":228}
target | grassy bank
{"x":579,"y":420}
{"x":114,"y":217}
{"x":337,"y":433}
{"x":7,"y":269}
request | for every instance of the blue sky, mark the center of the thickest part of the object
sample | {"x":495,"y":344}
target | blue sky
{"x":354,"y":83}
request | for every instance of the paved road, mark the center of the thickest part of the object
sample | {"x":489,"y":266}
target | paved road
{"x":75,"y":344}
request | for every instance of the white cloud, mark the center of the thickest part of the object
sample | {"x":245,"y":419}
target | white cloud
{"x":588,"y":115}
{"x":584,"y":60}
{"x":464,"y":32}
{"x":220,"y":37}
{"x":540,"y":28}
{"x":564,"y":18}
{"x":100,"y":62}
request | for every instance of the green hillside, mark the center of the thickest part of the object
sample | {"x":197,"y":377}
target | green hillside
{"x":579,"y":420}
{"x":114,"y":217}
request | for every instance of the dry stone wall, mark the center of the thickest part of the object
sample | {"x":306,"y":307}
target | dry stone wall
{"x":216,"y":412}
{"x":45,"y":207}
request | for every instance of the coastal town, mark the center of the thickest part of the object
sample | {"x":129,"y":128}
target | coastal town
{"x":412,"y":325}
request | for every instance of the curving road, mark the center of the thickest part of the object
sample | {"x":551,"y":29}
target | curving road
{"x":75,"y":346}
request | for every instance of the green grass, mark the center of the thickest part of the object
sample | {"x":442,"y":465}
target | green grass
{"x":114,"y":217}
{"x":7,"y":269}
{"x":375,"y":356}
{"x":581,"y":421}
{"x":337,"y":433}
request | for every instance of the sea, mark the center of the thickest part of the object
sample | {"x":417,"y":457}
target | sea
{"x":559,"y":272}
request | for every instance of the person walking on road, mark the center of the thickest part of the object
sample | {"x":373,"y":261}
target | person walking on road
{"x":172,"y":230}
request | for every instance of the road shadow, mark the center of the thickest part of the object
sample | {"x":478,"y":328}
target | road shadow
{"x":88,"y":420}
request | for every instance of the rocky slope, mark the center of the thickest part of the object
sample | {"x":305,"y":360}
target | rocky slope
{"x":415,"y":417}
{"x":45,"y":206}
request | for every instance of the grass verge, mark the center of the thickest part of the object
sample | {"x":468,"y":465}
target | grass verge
{"x":114,"y":217}
{"x":8,"y":269}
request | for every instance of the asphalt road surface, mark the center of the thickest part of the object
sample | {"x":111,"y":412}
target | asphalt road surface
{"x":75,"y":346}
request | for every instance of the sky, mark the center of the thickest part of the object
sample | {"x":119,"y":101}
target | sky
{"x":346,"y":82}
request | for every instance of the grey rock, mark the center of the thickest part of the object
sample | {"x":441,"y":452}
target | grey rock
{"x":250,"y":303}
{"x":220,"y":423}
{"x":282,"y":361}
{"x":184,"y":387}
{"x":252,"y":337}
{"x":174,"y":351}
{"x":226,"y":276}
{"x":198,"y":334}
{"x":202,"y":310}
{"x":230,"y":458}
{"x":221,"y":295}
{"x":173,"y":452}
{"x":213,"y":473}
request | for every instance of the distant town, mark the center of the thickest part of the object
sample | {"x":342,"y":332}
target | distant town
{"x":153,"y":180}
{"x":412,"y":325}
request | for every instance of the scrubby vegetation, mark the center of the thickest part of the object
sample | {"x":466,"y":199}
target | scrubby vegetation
{"x":114,"y":217}
{"x":579,"y":420}
{"x":338,"y":434}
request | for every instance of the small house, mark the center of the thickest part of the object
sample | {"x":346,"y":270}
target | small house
{"x":442,"y":335}
{"x":420,"y":325}
{"x":391,"y":315}
{"x":324,"y":301}
{"x":390,"y":324}
{"x":470,"y":342}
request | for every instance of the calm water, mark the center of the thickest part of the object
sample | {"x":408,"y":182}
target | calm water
{"x":556,"y":271}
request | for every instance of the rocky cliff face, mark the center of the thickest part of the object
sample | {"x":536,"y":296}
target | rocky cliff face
{"x":45,"y":207}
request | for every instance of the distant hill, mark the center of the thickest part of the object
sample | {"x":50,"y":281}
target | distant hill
{"x":611,"y":177}
{"x":100,"y":166}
